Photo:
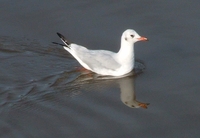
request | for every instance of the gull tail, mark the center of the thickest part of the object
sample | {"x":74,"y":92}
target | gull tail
{"x":67,"y":43}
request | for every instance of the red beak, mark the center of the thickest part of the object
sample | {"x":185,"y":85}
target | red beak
{"x":142,"y":39}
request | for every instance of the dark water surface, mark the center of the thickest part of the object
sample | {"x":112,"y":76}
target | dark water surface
{"x":43,"y":95}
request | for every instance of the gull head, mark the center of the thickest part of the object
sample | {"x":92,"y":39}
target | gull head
{"x":131,"y":36}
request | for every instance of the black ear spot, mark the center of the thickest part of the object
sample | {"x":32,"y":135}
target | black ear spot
{"x":126,"y":38}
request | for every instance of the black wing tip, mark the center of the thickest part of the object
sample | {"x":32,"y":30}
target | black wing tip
{"x":63,"y":38}
{"x":58,"y":44}
{"x":60,"y":35}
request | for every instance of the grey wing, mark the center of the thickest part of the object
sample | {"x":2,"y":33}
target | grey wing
{"x":97,"y":58}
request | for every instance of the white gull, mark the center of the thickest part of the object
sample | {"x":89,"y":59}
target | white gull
{"x":105,"y":62}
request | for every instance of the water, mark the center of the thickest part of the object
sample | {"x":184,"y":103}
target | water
{"x":43,"y":95}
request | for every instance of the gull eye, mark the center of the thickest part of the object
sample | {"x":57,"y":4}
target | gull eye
{"x":132,"y":36}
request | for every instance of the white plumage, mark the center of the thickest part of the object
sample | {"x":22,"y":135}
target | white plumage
{"x":105,"y":62}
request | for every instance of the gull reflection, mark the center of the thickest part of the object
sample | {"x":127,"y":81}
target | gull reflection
{"x":128,"y":96}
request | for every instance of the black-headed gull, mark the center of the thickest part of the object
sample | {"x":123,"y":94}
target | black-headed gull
{"x":105,"y":62}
